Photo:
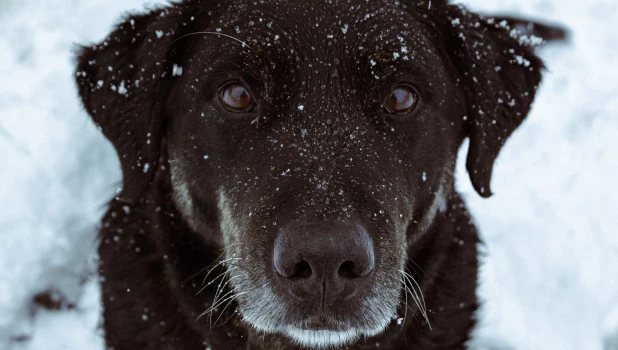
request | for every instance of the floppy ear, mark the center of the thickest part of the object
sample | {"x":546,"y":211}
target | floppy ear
{"x":499,"y":75}
{"x":122,"y":82}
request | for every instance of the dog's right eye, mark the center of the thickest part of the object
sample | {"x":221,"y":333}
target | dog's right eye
{"x":402,"y":99}
{"x":236,"y":97}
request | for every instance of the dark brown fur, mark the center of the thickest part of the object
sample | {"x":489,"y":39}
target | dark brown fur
{"x":476,"y":81}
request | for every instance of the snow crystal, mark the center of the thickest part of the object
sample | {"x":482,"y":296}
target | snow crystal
{"x":344,"y":29}
{"x":522,"y":61}
{"x":122,"y":88}
{"x":176,"y":70}
{"x":159,"y":33}
{"x":301,"y":108}
{"x":530,"y":40}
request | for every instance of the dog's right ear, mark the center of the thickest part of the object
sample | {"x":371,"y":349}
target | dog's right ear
{"x":122,"y":82}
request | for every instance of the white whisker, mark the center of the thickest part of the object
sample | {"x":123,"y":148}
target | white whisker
{"x":213,"y":33}
{"x":222,"y":262}
{"x":419,"y":299}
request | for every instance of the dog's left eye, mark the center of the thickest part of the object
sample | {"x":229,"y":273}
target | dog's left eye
{"x":401,"y":100}
{"x":236,"y":97}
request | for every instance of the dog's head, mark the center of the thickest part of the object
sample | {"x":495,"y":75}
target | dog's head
{"x":315,"y":144}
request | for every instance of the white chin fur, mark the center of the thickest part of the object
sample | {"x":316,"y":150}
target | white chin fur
{"x":321,"y":338}
{"x":327,"y":338}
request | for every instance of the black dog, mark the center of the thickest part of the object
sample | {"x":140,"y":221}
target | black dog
{"x":288,"y":170}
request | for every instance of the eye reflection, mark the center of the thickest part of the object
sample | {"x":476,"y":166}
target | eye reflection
{"x":401,"y":100}
{"x":236,"y":97}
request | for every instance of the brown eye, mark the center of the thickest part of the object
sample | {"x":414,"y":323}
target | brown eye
{"x":403,"y":99}
{"x":235,"y":97}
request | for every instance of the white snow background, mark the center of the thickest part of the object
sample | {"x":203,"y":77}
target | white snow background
{"x":550,"y":278}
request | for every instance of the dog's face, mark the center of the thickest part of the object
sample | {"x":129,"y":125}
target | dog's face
{"x":321,"y":138}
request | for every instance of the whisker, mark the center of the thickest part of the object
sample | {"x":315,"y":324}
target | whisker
{"x":418,"y":300}
{"x":225,"y":308}
{"x":418,"y":287}
{"x":222,"y":274}
{"x":221,"y":287}
{"x":415,"y":267}
{"x":414,"y":295}
{"x":222,"y":262}
{"x":213,"y":33}
{"x":213,"y":307}
{"x":405,"y":293}
{"x":412,"y":289}
{"x":215,"y":261}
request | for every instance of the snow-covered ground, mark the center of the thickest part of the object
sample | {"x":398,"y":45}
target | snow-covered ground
{"x":550,"y":278}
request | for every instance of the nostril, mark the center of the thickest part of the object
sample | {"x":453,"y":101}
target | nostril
{"x":302,"y":270}
{"x":348,"y":270}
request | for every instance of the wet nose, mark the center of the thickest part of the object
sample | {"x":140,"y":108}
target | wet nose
{"x":326,"y":262}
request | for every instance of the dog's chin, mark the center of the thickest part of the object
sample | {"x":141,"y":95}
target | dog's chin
{"x":325,"y":338}
{"x":322,"y":337}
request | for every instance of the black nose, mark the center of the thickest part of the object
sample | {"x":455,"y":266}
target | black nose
{"x":326,"y":262}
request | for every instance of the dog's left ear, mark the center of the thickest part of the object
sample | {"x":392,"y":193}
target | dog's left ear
{"x":499,"y":76}
{"x":123,"y":81}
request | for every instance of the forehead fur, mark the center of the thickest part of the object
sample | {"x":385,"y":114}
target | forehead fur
{"x":376,"y":32}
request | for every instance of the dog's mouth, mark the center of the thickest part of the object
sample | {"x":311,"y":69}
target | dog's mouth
{"x":325,"y":332}
{"x":336,"y":325}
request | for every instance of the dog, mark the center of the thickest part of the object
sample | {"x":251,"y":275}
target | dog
{"x":288,"y":169}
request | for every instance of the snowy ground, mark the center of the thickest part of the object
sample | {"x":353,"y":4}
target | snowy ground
{"x":549,"y":279}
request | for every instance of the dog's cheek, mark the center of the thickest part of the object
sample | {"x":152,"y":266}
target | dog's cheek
{"x":193,"y":198}
{"x":243,"y":245}
{"x":247,"y":257}
{"x":230,"y":227}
